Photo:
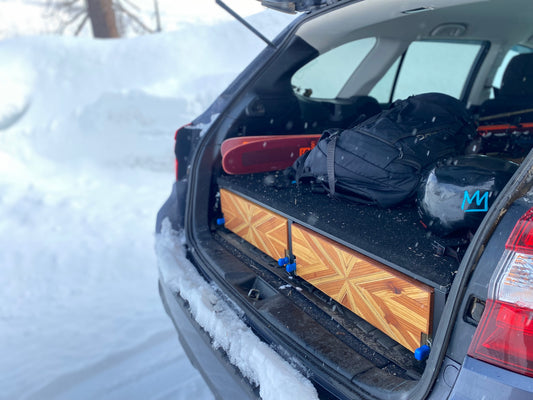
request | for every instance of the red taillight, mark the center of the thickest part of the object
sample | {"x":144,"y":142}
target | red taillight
{"x":521,"y":239}
{"x":504,"y":336}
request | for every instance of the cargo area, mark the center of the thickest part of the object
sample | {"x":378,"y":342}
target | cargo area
{"x":360,"y":287}
{"x":368,"y":288}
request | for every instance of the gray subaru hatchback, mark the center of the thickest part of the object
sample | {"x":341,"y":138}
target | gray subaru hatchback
{"x":426,"y":297}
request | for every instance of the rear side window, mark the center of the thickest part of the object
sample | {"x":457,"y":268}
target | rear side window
{"x":429,"y":67}
{"x":325,"y":76}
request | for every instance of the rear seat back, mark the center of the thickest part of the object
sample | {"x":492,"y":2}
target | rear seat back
{"x":514,"y":99}
{"x":338,"y":113}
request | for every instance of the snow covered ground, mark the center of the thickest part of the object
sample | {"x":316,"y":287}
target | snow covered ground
{"x":86,"y":136}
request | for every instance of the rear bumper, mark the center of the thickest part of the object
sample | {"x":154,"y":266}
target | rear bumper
{"x":479,"y":380}
{"x":224,"y":379}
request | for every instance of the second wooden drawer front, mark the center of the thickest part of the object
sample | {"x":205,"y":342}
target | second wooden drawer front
{"x":394,"y":303}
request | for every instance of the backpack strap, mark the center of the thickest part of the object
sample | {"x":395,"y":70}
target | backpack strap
{"x":298,"y":168}
{"x":330,"y":157}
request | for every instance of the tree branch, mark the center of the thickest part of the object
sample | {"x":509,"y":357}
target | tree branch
{"x":76,"y":16}
{"x":132,"y":5}
{"x":81,"y":25}
{"x":133,"y":18}
{"x":65,"y":4}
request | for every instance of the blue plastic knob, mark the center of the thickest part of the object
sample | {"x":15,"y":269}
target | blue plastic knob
{"x":283,"y":261}
{"x":221,"y":221}
{"x":422,"y":352}
{"x":290,"y":268}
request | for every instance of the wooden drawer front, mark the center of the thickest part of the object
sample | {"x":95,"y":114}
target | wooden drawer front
{"x":392,"y":302}
{"x":264,"y":229}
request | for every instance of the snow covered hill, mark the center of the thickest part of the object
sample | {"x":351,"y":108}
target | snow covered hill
{"x":86,"y":159}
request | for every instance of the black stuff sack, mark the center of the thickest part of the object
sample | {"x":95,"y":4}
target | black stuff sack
{"x":380,"y":161}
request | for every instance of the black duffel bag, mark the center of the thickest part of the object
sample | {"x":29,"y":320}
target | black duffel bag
{"x":380,"y":160}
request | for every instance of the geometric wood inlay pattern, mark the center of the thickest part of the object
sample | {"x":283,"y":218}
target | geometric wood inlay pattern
{"x":398,"y":305}
{"x":264,"y":229}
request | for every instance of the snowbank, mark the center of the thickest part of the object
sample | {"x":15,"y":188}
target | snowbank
{"x":86,"y":136}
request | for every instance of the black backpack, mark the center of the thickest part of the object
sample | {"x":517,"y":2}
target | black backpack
{"x":380,"y":160}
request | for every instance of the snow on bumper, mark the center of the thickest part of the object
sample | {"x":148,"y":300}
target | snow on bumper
{"x":276,"y":378}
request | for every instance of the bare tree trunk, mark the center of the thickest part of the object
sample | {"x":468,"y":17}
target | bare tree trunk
{"x":102,"y":18}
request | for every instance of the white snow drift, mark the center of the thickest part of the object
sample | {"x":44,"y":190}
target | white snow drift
{"x":86,"y":137}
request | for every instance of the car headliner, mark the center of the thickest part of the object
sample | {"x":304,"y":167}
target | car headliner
{"x":484,"y":20}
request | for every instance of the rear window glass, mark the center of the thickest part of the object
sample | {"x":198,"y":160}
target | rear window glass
{"x":429,"y":67}
{"x":325,"y":76}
